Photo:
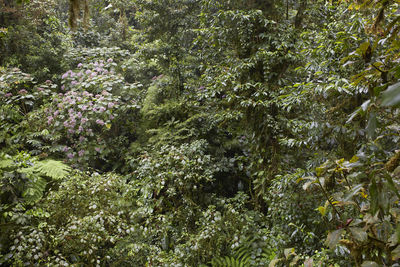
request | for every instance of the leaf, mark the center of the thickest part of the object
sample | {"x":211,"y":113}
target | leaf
{"x":319,"y":171}
{"x":307,"y":185}
{"x":391,"y":185}
{"x":353,"y":115}
{"x":322,"y":210}
{"x":365,"y":105}
{"x":396,"y":253}
{"x":359,"y":234}
{"x":391,"y":96}
{"x":369,"y":264}
{"x":354,"y":159}
{"x":353,"y":192}
{"x":372,"y":125}
{"x":373,"y":192}
{"x":34,"y":192}
{"x":363,"y":48}
{"x":333,"y":238}
{"x":393,"y":240}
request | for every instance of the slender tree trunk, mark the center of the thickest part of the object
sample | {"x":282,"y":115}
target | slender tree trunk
{"x":75,"y":13}
{"x":300,"y":14}
{"x":86,"y":14}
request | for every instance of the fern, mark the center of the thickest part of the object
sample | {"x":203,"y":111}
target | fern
{"x":35,"y":189}
{"x":36,"y":186}
{"x":245,"y":255}
{"x":241,"y":258}
{"x":52,"y":168}
{"x":231,"y":261}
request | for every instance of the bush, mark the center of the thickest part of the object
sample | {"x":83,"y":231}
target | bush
{"x":78,"y":223}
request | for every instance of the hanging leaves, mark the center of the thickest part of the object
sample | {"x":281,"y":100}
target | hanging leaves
{"x":391,"y":97}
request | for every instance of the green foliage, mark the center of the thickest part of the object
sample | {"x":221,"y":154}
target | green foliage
{"x":23,"y":183}
{"x":391,"y":95}
{"x":35,"y":41}
{"x":52,"y":168}
{"x":25,"y":177}
{"x":359,"y":203}
{"x":231,"y":262}
{"x":206,"y":133}
{"x":79,"y":223}
{"x":251,"y":252}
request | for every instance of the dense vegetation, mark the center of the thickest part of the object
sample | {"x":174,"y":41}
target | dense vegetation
{"x":199,"y":133}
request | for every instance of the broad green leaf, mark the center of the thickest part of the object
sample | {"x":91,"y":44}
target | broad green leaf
{"x":391,"y":96}
{"x":369,"y":264}
{"x":373,"y":192}
{"x":363,"y":48}
{"x":354,"y":159}
{"x":319,"y":171}
{"x":322,"y":210}
{"x":359,"y":234}
{"x":353,"y":192}
{"x":372,"y":125}
{"x":333,"y":238}
{"x":392,"y":186}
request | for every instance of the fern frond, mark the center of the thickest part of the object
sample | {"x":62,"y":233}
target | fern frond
{"x":228,"y":262}
{"x":52,"y":168}
{"x":35,"y":189}
{"x":242,"y":253}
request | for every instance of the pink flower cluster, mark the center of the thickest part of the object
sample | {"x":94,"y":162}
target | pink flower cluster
{"x":81,"y":115}
{"x":91,"y":76}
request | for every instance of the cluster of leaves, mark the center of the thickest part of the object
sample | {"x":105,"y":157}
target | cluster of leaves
{"x":24,"y":180}
{"x":92,"y":221}
{"x":33,"y":38}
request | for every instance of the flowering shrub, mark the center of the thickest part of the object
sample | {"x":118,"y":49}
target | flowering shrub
{"x":96,"y":77}
{"x":85,"y":121}
{"x":84,"y":54}
{"x":79,"y":122}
